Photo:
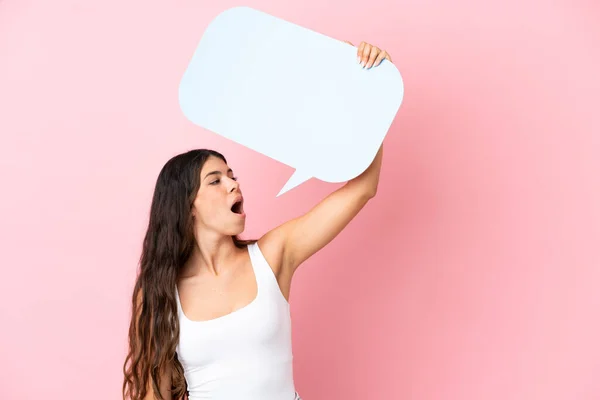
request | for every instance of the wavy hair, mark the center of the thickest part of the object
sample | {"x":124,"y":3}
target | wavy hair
{"x":167,"y":245}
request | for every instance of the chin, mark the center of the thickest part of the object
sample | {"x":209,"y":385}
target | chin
{"x":237,"y":230}
{"x":231,"y":226}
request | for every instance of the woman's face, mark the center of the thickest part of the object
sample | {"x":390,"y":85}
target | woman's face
{"x":219,"y":203}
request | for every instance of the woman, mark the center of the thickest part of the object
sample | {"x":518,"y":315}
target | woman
{"x":210,"y":313}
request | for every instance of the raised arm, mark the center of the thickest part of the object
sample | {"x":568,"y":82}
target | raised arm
{"x":300,"y":238}
{"x":309,"y":233}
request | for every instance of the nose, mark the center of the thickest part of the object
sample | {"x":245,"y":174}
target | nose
{"x":233,"y":185}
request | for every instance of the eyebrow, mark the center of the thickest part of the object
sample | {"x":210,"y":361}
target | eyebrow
{"x":216,"y":173}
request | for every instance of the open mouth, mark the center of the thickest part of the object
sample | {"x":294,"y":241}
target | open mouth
{"x":237,"y":208}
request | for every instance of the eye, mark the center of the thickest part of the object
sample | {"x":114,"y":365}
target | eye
{"x":215,"y":182}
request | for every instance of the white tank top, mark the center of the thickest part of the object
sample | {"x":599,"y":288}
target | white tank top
{"x":244,"y":355}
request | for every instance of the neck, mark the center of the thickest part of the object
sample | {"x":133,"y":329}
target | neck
{"x":213,"y":254}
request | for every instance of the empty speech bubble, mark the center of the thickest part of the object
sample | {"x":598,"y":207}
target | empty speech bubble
{"x":290,"y":93}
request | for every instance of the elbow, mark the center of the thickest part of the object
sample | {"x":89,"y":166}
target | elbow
{"x":370,"y":193}
{"x":372,"y":189}
{"x":362,"y":189}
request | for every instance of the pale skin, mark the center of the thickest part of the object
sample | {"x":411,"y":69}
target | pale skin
{"x":218,"y":279}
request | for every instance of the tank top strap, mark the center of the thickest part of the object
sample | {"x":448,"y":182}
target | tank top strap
{"x":265,"y":278}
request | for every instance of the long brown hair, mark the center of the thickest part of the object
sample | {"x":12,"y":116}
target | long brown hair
{"x":167,"y":245}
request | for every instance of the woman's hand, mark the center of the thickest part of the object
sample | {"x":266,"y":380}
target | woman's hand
{"x":369,"y":55}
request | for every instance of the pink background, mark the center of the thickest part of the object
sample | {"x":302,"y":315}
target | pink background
{"x":473,"y":274}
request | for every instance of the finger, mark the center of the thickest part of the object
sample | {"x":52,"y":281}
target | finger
{"x":347,"y":41}
{"x":372,"y":56}
{"x":380,"y":58}
{"x":365,"y":54}
{"x":359,"y":52}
